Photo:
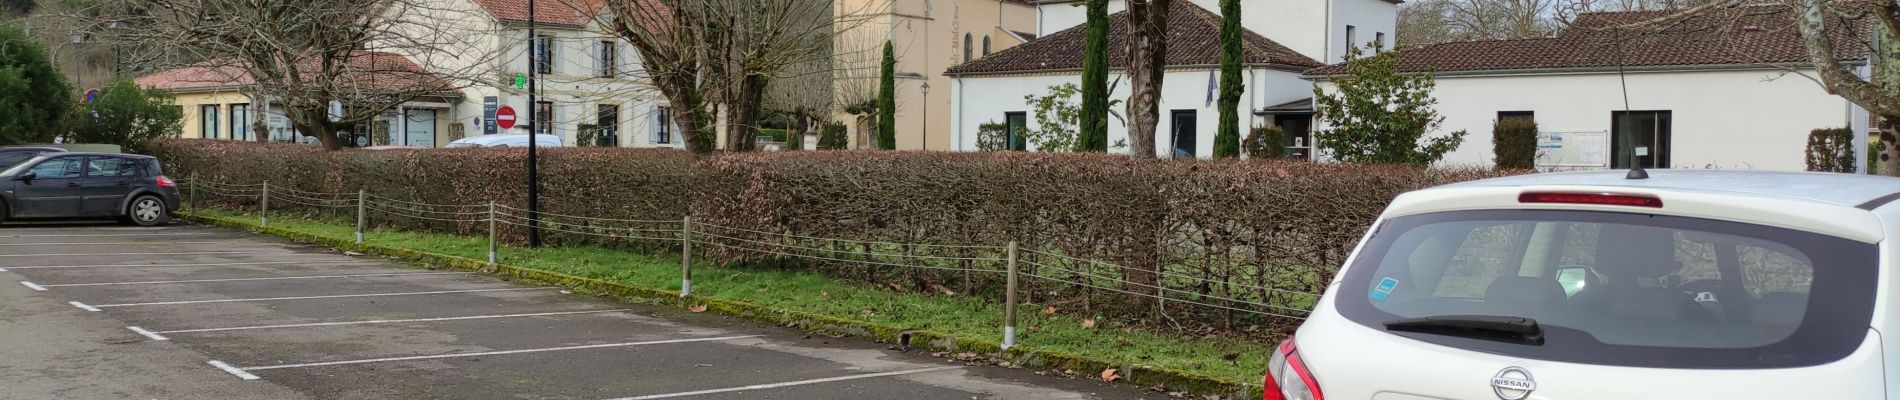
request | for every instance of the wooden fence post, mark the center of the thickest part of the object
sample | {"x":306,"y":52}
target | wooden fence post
{"x":491,"y":234}
{"x":361,"y":216}
{"x":263,"y":208}
{"x":686,"y":256}
{"x":1009,"y":301}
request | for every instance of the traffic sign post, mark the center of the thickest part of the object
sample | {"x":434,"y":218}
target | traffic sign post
{"x":505,"y":117}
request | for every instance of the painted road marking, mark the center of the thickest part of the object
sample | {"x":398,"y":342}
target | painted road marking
{"x":42,"y":287}
{"x":338,"y":296}
{"x":192,"y":265}
{"x":385,"y":321}
{"x":83,"y":306}
{"x":116,"y":243}
{"x":494,"y":353}
{"x":233,"y":370}
{"x":143,"y":254}
{"x":792,"y":383}
{"x":149,"y":334}
{"x":108,"y":235}
{"x":30,"y":285}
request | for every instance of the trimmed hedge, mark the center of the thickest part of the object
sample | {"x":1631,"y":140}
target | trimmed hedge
{"x":1831,"y":150}
{"x":1207,"y":231}
{"x":1514,"y":142}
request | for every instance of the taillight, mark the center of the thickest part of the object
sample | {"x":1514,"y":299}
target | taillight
{"x":1607,"y":199}
{"x":1287,"y":377}
{"x":164,"y":182}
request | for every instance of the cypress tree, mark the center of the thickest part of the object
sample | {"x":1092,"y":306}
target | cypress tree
{"x":33,"y":94}
{"x":1094,"y":119}
{"x":1227,"y":136}
{"x":887,"y":101}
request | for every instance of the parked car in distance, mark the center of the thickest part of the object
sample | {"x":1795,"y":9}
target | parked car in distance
{"x":505,"y":140}
{"x":69,"y":185}
{"x":1606,"y":285}
{"x":10,"y":156}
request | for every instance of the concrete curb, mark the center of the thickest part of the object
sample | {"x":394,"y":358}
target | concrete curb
{"x":1021,"y":355}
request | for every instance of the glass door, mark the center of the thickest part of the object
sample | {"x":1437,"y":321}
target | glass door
{"x":1640,"y":138}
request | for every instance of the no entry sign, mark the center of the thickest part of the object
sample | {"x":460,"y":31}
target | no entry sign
{"x":505,"y":117}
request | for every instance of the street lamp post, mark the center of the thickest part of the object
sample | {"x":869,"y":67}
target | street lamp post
{"x":926,"y":90}
{"x":534,"y":127}
{"x":79,"y":77}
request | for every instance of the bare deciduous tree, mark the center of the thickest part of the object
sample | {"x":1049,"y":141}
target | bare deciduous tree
{"x":1147,"y":62}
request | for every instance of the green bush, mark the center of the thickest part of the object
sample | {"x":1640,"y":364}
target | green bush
{"x":1514,"y":143}
{"x":1831,"y":150}
{"x":1266,"y":142}
{"x":992,"y":136}
{"x":125,"y":115}
{"x":34,"y":97}
{"x":1195,"y":221}
{"x":777,"y":135}
{"x":831,"y":137}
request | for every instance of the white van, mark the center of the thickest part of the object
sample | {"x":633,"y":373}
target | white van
{"x":1601,"y":285}
{"x":505,"y":140}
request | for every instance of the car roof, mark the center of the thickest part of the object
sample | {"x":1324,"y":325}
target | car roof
{"x":31,"y":148}
{"x":63,"y":154}
{"x":1850,"y":190}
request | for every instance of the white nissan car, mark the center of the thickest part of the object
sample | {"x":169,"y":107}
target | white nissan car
{"x":1612,"y":285}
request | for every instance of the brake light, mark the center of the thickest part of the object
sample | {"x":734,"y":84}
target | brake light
{"x":164,"y":182}
{"x":1287,"y":377}
{"x":1607,"y":199}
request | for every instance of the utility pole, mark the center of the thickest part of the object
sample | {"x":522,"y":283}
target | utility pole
{"x":534,"y":128}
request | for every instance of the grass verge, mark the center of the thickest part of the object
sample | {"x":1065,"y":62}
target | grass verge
{"x":939,"y":323}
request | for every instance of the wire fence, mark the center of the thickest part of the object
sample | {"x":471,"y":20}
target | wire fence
{"x":1043,"y":273}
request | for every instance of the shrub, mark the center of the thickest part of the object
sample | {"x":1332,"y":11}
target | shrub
{"x":33,"y":94}
{"x":1266,"y":142}
{"x":1241,"y":230}
{"x":126,"y":116}
{"x":992,"y":136}
{"x":1831,"y":150}
{"x":831,"y":137}
{"x":1514,"y":143}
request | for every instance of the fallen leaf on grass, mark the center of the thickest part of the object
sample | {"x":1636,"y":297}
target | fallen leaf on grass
{"x":1049,"y":311}
{"x":697,"y":308}
{"x":824,"y":294}
{"x":1088,"y":323}
{"x":946,"y":291}
{"x":1108,"y":375}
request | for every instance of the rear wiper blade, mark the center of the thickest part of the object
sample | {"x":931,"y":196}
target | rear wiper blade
{"x":1499,"y":328}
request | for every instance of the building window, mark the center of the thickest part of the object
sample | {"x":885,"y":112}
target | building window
{"x":607,"y":119}
{"x":1350,"y":41}
{"x":1517,"y":115}
{"x":241,"y":122}
{"x":543,"y":55}
{"x":1182,"y":124}
{"x":1017,"y":124}
{"x":208,"y":115}
{"x":1379,"y":38}
{"x":986,"y":45}
{"x":966,"y":47}
{"x":609,"y":59}
{"x":1641,"y":138}
{"x":543,"y":119}
{"x":661,"y":127}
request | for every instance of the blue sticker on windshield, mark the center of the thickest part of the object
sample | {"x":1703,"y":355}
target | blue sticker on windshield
{"x":1379,"y":293}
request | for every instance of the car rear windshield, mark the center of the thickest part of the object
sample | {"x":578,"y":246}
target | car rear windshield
{"x":8,"y":159}
{"x":1619,"y":288}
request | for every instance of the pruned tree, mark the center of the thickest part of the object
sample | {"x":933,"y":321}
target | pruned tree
{"x":1147,"y":63}
{"x":1227,"y":135}
{"x":802,"y":94}
{"x":1376,"y":114}
{"x":1094,"y":129}
{"x":856,"y":71}
{"x":326,"y":65}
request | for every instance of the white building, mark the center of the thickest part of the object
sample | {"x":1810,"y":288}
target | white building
{"x":1719,"y":91}
{"x":992,"y":89}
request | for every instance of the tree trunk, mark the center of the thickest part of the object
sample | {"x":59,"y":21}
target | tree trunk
{"x":1147,"y":59}
{"x":260,"y":119}
{"x":1886,"y":147}
{"x":742,"y":131}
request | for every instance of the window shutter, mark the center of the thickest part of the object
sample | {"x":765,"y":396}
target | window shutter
{"x":600,"y":48}
{"x":654,"y":130}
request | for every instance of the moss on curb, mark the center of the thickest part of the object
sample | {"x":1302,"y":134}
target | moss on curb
{"x":1171,"y":380}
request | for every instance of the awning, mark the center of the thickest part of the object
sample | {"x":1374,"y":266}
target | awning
{"x":1301,"y":106}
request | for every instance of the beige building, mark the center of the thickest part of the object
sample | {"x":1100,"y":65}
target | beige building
{"x":927,"y":37}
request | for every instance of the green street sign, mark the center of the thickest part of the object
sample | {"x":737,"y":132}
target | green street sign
{"x":521,"y":81}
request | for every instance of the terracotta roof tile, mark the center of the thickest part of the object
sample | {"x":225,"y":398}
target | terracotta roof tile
{"x":1742,"y":35}
{"x":373,"y":68}
{"x":1193,"y":39}
{"x":555,"y":12}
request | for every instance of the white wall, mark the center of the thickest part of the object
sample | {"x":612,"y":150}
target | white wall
{"x":978,"y":100}
{"x":1755,"y":119}
{"x":1368,"y":18}
{"x":1301,"y":25}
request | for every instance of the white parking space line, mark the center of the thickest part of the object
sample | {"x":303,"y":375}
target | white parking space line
{"x":495,"y":353}
{"x":83,"y":306}
{"x":385,"y":321}
{"x":143,"y":254}
{"x":792,"y":383}
{"x":147,"y":333}
{"x":313,"y":262}
{"x":31,"y":285}
{"x":42,"y":287}
{"x":114,"y":243}
{"x":338,"y":296}
{"x":233,"y":370}
{"x":4,"y":236}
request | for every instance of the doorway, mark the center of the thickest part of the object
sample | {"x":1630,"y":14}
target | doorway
{"x":1181,"y":125}
{"x":1640,"y":138}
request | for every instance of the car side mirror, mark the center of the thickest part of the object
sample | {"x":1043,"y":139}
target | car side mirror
{"x":1574,"y":278}
{"x":28,"y":177}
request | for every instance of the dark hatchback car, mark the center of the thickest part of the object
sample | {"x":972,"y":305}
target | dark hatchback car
{"x":130,"y":188}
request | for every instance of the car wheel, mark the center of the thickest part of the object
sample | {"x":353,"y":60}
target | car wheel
{"x":147,"y":211}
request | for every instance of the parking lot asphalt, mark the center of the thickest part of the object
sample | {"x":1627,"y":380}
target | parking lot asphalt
{"x":185,"y":311}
